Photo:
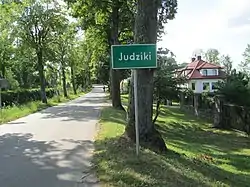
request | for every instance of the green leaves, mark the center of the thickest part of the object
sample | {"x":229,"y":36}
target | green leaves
{"x":167,"y":11}
{"x":212,"y":56}
{"x":165,"y":83}
{"x":38,"y":24}
{"x":227,"y":63}
{"x":236,"y":88}
{"x":244,"y":66}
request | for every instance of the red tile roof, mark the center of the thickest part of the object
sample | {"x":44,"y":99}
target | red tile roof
{"x":197,"y":65}
{"x":201,"y":64}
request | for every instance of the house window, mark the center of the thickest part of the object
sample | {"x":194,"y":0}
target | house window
{"x":205,"y":85}
{"x":214,"y":85}
{"x":193,"y":85}
{"x":204,"y":72}
{"x":214,"y":72}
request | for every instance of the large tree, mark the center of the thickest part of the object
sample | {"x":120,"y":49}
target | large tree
{"x":37,"y":27}
{"x":61,"y":49}
{"x":213,"y":56}
{"x":150,"y":15}
{"x":29,"y":54}
{"x":115,"y":19}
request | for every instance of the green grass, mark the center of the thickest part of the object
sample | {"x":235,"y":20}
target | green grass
{"x":198,"y":154}
{"x":11,"y":113}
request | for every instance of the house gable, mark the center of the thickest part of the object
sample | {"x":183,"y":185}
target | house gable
{"x":200,"y":69}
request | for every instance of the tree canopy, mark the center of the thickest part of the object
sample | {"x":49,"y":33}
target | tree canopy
{"x":39,"y":45}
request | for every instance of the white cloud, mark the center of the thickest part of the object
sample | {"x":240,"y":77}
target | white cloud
{"x":209,"y":26}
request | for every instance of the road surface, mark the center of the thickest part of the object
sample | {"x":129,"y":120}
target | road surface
{"x":52,"y":148}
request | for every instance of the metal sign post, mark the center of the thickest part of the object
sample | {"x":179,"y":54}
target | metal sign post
{"x":136,"y":111}
{"x":135,"y":56}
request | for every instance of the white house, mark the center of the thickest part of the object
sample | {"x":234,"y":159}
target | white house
{"x":201,"y":75}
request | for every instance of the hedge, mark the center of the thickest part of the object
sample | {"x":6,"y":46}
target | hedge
{"x":19,"y":97}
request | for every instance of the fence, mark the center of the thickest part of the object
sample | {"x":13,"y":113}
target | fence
{"x":214,"y":108}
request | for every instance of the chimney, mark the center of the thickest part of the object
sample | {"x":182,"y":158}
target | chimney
{"x":198,"y":57}
{"x":193,"y":59}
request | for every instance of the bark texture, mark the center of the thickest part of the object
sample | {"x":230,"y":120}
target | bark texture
{"x":145,"y":32}
{"x":115,"y":74}
{"x":64,"y":81}
{"x":73,"y":79}
{"x":41,"y":75}
{"x":3,"y":66}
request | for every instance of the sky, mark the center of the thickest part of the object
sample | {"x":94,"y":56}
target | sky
{"x":204,"y":24}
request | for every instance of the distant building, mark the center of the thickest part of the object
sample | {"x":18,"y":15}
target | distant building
{"x":202,"y":76}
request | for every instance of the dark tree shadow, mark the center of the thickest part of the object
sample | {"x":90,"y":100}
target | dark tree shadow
{"x":26,"y":162}
{"x":198,"y":155}
{"x":223,"y":148}
{"x":117,"y":117}
{"x":118,"y":166}
{"x":81,"y":109}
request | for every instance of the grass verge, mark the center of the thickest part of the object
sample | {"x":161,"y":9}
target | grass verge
{"x":11,"y":113}
{"x":198,"y":155}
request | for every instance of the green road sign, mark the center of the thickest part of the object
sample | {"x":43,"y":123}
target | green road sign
{"x":134,"y":56}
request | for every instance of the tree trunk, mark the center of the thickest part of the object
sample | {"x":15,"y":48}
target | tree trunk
{"x":41,"y":75}
{"x":145,"y":32}
{"x":89,"y":79}
{"x":3,"y":65}
{"x":73,"y":79}
{"x":64,"y":81}
{"x":115,"y":90}
{"x":157,"y":110}
{"x":64,"y":78}
{"x":115,"y":74}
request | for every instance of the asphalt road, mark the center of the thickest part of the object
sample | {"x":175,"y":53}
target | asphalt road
{"x":52,"y":148}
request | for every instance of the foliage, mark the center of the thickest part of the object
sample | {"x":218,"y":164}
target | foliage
{"x":38,"y":25}
{"x":10,"y":113}
{"x":212,"y":56}
{"x":236,"y":88}
{"x":207,"y":100}
{"x":167,"y":11}
{"x":19,"y":97}
{"x":227,"y":63}
{"x":39,"y":46}
{"x":244,"y":66}
{"x":166,"y":85}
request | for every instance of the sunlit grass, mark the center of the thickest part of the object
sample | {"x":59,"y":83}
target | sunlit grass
{"x":14,"y":112}
{"x":198,"y":155}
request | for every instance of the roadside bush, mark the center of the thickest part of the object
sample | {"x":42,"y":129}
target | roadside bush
{"x":236,"y":89}
{"x":19,"y":97}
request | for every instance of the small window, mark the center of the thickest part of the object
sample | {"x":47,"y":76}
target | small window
{"x":193,"y":85}
{"x":214,"y":85}
{"x":205,"y":85}
{"x":204,"y":72}
{"x":214,"y":72}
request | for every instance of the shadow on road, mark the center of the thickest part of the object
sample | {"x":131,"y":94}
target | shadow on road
{"x":72,"y":113}
{"x":20,"y":156}
{"x":82,"y":109}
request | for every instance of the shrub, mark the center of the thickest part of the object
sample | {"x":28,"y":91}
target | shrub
{"x":236,"y":89}
{"x":19,"y":97}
